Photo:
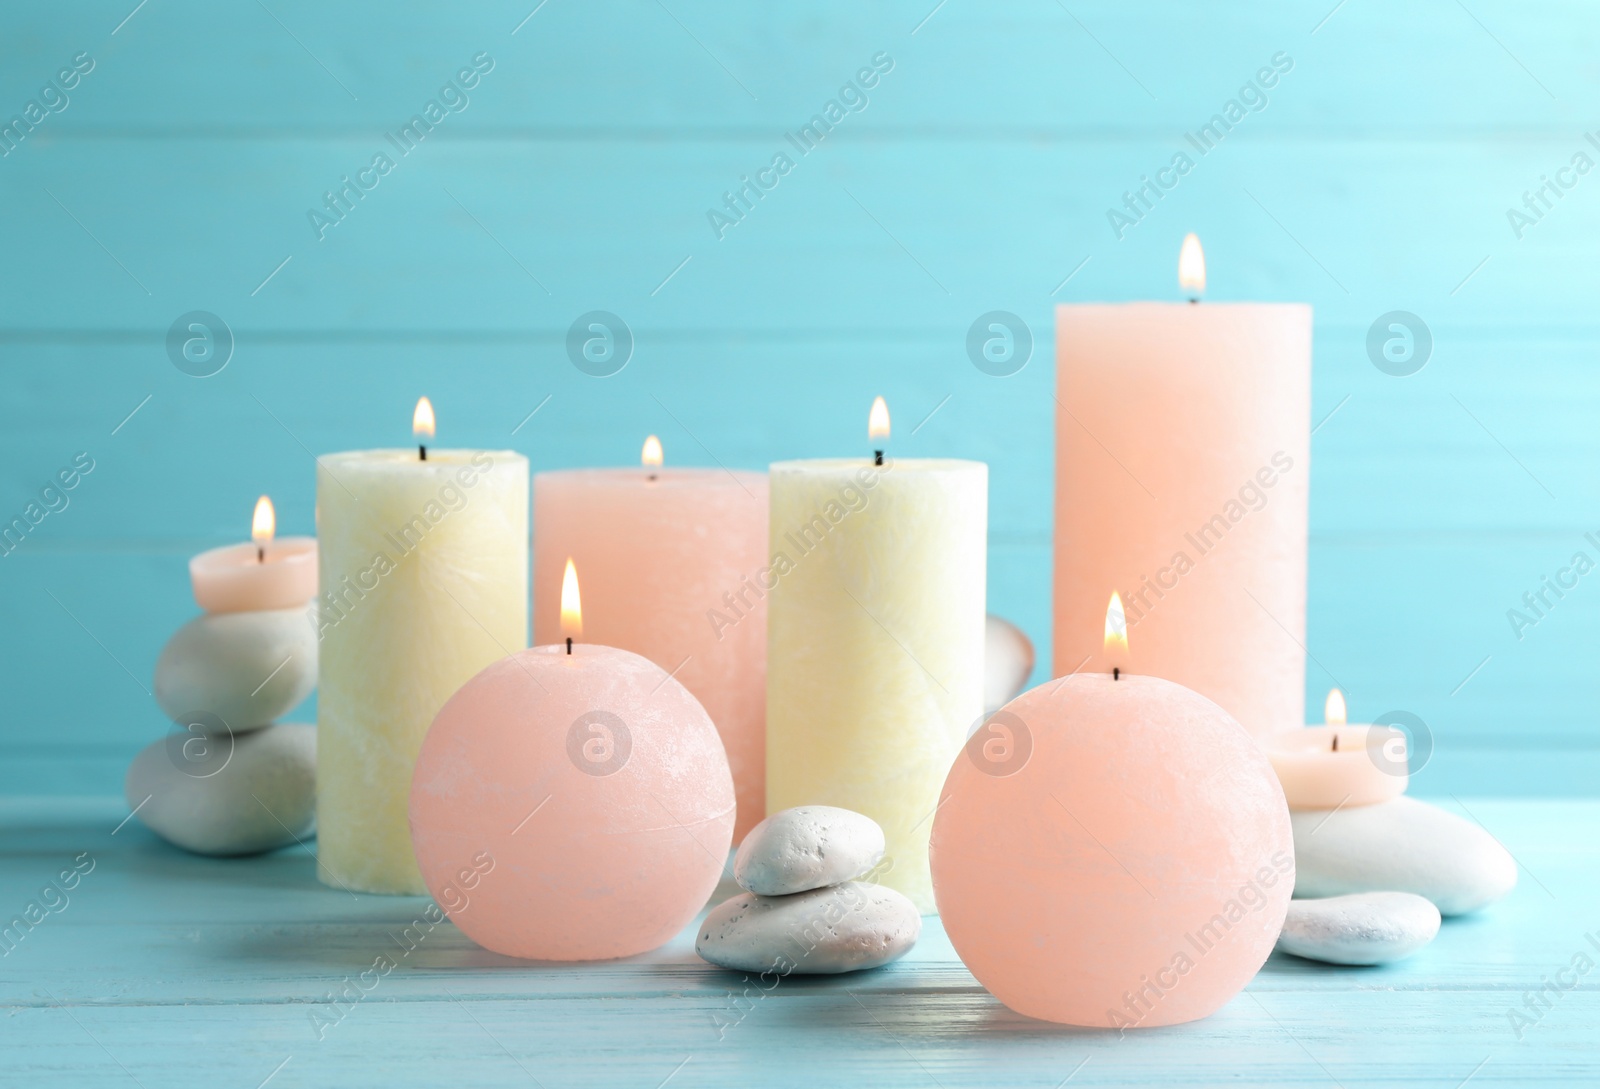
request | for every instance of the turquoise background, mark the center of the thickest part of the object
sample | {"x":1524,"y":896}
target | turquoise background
{"x":1377,"y":178}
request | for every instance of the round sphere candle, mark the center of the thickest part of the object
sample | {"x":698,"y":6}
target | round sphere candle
{"x":424,"y":580}
{"x":572,"y":802}
{"x":670,"y":560}
{"x":269,"y":572}
{"x":1183,"y":443}
{"x":1335,"y":766}
{"x":875,"y":653}
{"x":1112,"y":851}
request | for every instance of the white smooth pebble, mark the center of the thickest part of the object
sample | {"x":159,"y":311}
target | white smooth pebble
{"x":245,"y":794}
{"x":1404,"y":846}
{"x":807,"y":847}
{"x":1362,"y":928}
{"x":1007,"y":662}
{"x":846,"y":928}
{"x":248,"y":669}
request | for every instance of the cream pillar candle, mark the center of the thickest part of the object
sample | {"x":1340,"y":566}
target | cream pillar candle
{"x":875,"y":653}
{"x":424,"y":579}
{"x":1182,"y":470}
{"x":669,"y":558}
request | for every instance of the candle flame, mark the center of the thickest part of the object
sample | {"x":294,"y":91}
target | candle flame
{"x":651,"y":455}
{"x":1333,"y":712}
{"x":878,"y":420}
{"x":1116,"y":630}
{"x":571,"y":606}
{"x":1192,"y":266}
{"x":264,"y":523}
{"x":422,"y":419}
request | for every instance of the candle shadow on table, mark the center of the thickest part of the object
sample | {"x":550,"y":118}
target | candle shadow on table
{"x":329,"y":928}
{"x":1283,"y":964}
{"x":904,"y":1005}
{"x":874,"y":1002}
{"x":292,"y":868}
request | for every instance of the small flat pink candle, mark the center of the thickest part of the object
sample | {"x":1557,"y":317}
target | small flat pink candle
{"x":266,"y":573}
{"x":671,"y":562}
{"x":1331,"y":767}
{"x":1183,"y":443}
{"x":1335,"y":766}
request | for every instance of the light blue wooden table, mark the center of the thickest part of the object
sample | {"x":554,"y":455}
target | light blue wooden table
{"x":164,"y":969}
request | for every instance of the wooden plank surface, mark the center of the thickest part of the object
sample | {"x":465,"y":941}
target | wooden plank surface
{"x":167,"y":969}
{"x":1376,"y":177}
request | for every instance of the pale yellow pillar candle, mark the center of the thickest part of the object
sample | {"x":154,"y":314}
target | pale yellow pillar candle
{"x":424,"y":580}
{"x":875,"y":641}
{"x":1183,"y":448}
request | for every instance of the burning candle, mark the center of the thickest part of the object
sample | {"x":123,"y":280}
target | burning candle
{"x":672,"y":561}
{"x":1182,"y":469}
{"x":1112,"y":850}
{"x":266,"y":573}
{"x":572,"y":801}
{"x":424,"y":582}
{"x":875,"y":638}
{"x":252,"y":656}
{"x":1335,"y":765}
{"x":423,"y":425}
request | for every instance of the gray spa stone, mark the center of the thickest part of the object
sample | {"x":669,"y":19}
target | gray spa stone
{"x":1361,"y":928}
{"x":247,"y":669}
{"x":807,"y":847}
{"x":846,"y":928}
{"x":1401,"y":845}
{"x":223,"y":795}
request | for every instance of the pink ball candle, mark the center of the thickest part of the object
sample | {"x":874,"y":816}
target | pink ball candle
{"x":1112,"y":853}
{"x":671,"y":562}
{"x":571,"y":806}
{"x":267,"y":573}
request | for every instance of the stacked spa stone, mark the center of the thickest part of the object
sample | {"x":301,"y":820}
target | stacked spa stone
{"x":811,"y":905}
{"x":231,"y":780}
{"x":1372,"y":881}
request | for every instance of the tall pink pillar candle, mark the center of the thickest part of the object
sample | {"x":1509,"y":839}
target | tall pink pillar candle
{"x":670,"y":561}
{"x":1182,"y":476}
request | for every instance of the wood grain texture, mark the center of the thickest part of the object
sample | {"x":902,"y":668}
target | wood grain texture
{"x":168,"y":969}
{"x":1377,"y":177}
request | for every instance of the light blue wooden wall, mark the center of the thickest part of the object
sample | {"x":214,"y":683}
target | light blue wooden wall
{"x":1377,"y":178}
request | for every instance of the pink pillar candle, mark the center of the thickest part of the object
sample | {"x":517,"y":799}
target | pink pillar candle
{"x":246,"y":577}
{"x":1112,"y":853}
{"x":1182,"y":471}
{"x":670,"y":562}
{"x":571,"y":806}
